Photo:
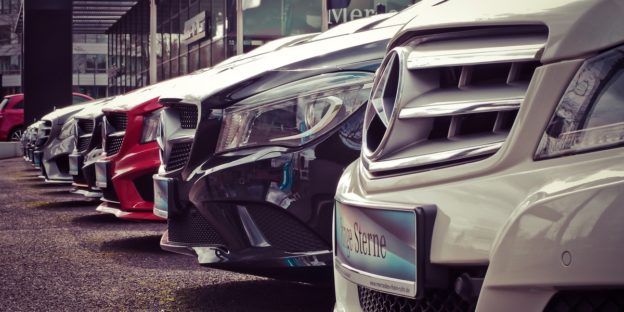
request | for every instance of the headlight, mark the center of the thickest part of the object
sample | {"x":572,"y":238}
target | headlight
{"x":69,"y":129}
{"x":589,"y":116}
{"x":150,"y":127}
{"x":295,"y":113}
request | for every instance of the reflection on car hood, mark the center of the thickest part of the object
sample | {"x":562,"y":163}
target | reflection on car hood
{"x":140,"y":96}
{"x":573,"y":25}
{"x":94,"y":109}
{"x":307,"y":56}
{"x":61,"y":114}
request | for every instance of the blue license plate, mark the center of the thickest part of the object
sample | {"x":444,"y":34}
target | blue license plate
{"x":376,"y":248}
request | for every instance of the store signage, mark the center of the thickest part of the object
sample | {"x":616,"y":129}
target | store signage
{"x":194,"y":28}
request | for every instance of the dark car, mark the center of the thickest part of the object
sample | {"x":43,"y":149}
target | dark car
{"x":252,"y":154}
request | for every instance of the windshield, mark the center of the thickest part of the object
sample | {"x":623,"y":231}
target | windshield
{"x":3,"y":103}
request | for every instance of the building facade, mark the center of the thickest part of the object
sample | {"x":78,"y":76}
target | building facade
{"x":186,"y":35}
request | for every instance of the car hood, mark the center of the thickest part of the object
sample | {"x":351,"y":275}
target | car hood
{"x":574,"y":26}
{"x":139,"y":96}
{"x":221,"y":86}
{"x":94,"y":109}
{"x":61,"y":114}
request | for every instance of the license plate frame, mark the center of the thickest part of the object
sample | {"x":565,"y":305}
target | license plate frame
{"x":398,"y":237}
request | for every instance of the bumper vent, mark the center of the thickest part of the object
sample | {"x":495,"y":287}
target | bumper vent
{"x":595,"y":300}
{"x":191,"y":228}
{"x":188,"y":115}
{"x":456,"y":95}
{"x":433,"y":301}
{"x":113,"y":144}
{"x":179,"y":155}
{"x":285,"y":232}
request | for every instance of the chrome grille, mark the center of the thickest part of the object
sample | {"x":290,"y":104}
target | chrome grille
{"x":180,"y":153}
{"x":113,"y":144}
{"x":188,"y":115}
{"x":448,"y":99}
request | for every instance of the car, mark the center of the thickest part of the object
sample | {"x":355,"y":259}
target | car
{"x":28,"y":140}
{"x":87,"y":147}
{"x":123,"y":172}
{"x":55,"y":141}
{"x":259,"y":200}
{"x":12,"y":115}
{"x":490,"y":176}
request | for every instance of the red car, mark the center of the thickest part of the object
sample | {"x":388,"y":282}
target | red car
{"x":131,"y":154}
{"x":12,"y":115}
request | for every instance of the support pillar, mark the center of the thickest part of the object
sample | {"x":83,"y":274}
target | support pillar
{"x":153,"y":59}
{"x":47,"y":70}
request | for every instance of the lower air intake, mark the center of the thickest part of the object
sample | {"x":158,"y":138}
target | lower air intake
{"x":595,"y":300}
{"x":284,"y":231}
{"x":433,"y":301}
{"x":192,"y":228}
{"x":113,"y":145}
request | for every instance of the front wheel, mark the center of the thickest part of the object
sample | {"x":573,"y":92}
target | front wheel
{"x":16,"y":134}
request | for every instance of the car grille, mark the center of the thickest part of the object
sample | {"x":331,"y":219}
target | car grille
{"x":455,"y":106}
{"x":284,"y":231}
{"x":188,"y":115}
{"x":179,"y":155}
{"x":83,"y":144}
{"x":116,"y":125}
{"x":43,"y":134}
{"x":119,"y":121}
{"x":113,"y":145}
{"x":86,"y":125}
{"x":594,"y":300}
{"x":191,"y":227}
{"x":433,"y":301}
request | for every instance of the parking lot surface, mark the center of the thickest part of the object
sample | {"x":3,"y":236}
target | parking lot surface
{"x":58,"y":254}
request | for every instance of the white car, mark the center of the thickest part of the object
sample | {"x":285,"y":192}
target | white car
{"x":492,"y":170}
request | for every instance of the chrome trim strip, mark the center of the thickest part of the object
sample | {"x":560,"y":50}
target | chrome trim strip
{"x":430,"y":159}
{"x":460,"y":107}
{"x":473,"y":56}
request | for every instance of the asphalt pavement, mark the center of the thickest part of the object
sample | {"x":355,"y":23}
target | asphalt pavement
{"x":58,"y":254}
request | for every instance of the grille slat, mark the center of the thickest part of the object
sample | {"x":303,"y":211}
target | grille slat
{"x":433,"y":301}
{"x":179,"y":155}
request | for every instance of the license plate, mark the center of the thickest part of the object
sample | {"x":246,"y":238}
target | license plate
{"x":74,"y":165}
{"x":37,"y":155}
{"x":377,"y":248}
{"x":162,"y":195}
{"x":101,"y":174}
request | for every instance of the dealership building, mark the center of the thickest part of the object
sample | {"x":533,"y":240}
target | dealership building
{"x":152,"y":40}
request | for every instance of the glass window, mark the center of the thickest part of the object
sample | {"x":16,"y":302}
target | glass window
{"x":19,"y":105}
{"x":80,"y":63}
{"x":100,"y":62}
{"x":5,"y":34}
{"x":78,"y":99}
{"x":341,"y":11}
{"x":3,"y":103}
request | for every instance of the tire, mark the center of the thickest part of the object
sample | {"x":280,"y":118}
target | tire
{"x":16,"y":134}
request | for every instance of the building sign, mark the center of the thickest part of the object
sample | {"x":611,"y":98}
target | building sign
{"x":342,"y":11}
{"x":194,"y":28}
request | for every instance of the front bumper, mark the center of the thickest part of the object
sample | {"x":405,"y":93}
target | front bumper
{"x":83,"y":176}
{"x":128,"y":190}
